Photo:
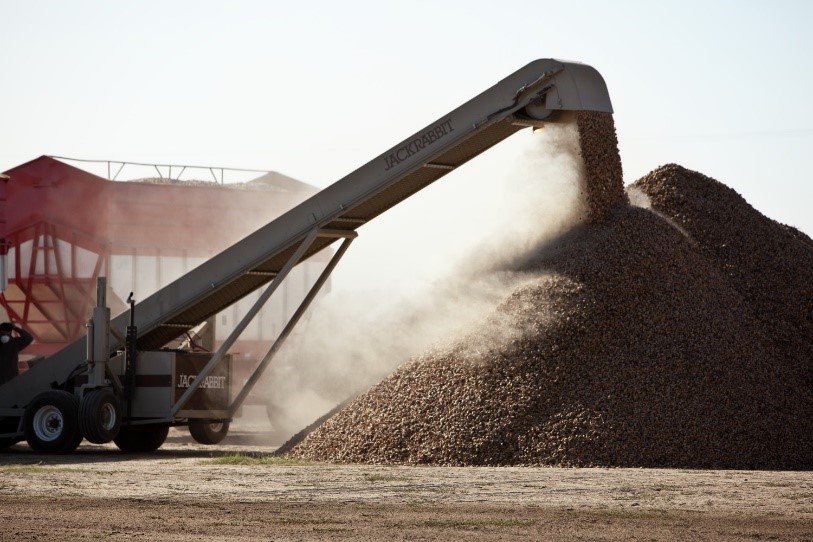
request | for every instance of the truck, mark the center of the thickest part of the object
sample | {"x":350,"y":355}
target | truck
{"x":122,"y":383}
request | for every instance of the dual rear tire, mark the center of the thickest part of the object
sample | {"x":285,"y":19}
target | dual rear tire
{"x":100,"y":421}
{"x":56,"y":421}
{"x":100,"y":416}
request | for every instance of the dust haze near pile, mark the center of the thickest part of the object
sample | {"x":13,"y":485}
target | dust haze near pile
{"x":638,"y":198}
{"x":354,"y":339}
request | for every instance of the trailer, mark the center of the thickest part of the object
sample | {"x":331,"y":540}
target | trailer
{"x":121,"y":383}
{"x":62,"y":226}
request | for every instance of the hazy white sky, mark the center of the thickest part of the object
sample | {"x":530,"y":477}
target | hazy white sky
{"x":316,"y":89}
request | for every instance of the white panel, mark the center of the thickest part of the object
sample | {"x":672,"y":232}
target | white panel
{"x":171,"y":268}
{"x":121,"y":275}
{"x":49,"y":255}
{"x":64,"y":251}
{"x":85,"y":263}
{"x":11,"y":263}
{"x":39,"y":265}
{"x":146,"y":276}
{"x":25,"y":257}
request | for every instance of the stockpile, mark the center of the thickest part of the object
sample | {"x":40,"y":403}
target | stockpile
{"x":769,"y":264}
{"x":638,"y":339}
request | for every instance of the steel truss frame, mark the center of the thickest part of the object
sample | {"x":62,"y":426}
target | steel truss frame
{"x":61,"y":309}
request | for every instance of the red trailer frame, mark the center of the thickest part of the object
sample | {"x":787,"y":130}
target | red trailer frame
{"x":60,"y":226}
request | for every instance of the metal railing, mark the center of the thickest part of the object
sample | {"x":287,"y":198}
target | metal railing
{"x":164,"y":171}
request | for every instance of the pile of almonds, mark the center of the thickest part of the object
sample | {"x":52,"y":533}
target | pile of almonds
{"x":674,"y":337}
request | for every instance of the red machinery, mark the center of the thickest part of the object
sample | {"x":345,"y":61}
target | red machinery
{"x":62,"y":227}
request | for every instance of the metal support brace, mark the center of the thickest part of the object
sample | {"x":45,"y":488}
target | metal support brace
{"x":97,"y":338}
{"x":300,"y":311}
{"x":238,"y":330}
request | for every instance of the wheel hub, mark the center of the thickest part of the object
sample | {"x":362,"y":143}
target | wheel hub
{"x":48,"y":423}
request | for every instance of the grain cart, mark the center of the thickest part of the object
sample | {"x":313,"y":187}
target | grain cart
{"x":121,"y":384}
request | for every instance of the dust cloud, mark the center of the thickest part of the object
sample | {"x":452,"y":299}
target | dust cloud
{"x":353,"y":339}
{"x":638,"y":198}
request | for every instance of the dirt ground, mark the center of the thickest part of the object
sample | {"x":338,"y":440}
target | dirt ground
{"x":235,"y":491}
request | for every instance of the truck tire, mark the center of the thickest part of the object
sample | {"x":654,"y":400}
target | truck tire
{"x":141,"y":438}
{"x":51,"y":422}
{"x":100,"y":416}
{"x":208,"y":431}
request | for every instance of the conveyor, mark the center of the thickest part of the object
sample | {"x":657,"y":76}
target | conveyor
{"x":533,"y":95}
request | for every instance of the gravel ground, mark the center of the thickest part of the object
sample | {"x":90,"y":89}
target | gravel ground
{"x":187,"y":491}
